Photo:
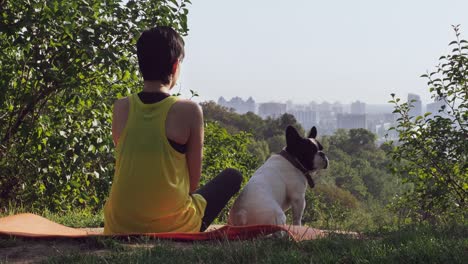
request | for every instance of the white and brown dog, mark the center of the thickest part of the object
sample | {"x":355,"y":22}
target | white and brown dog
{"x":280,"y":183}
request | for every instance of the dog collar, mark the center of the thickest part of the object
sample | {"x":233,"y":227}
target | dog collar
{"x":299,"y":166}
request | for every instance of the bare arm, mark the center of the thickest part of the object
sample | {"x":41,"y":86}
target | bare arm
{"x":119,"y":118}
{"x":195,"y":146}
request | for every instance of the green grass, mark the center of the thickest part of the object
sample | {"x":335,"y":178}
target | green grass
{"x":75,"y":218}
{"x":404,"y":246}
{"x":420,"y":244}
{"x":411,"y":244}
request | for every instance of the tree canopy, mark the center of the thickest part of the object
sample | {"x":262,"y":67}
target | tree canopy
{"x":431,"y":152}
{"x":63,"y":63}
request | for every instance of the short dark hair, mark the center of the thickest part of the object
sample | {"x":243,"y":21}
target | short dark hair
{"x":158,"y":49}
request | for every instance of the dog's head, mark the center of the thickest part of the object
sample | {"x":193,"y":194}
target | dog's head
{"x":308,"y":151}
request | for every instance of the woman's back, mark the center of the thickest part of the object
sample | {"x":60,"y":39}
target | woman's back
{"x":155,"y":187}
{"x":151,"y":187}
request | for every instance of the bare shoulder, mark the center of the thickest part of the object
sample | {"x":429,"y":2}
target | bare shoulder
{"x":121,"y":104}
{"x":187,"y":104}
{"x":188,"y":108}
{"x":119,"y":119}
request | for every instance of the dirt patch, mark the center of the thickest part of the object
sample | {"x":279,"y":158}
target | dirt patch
{"x":34,"y":250}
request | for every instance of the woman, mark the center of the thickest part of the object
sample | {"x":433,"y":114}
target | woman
{"x":159,"y":142}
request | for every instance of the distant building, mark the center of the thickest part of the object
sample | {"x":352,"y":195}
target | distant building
{"x":337,"y":108}
{"x":435,"y":108}
{"x":250,"y":105}
{"x":290,"y":105}
{"x":306,"y":117}
{"x":389,"y":118}
{"x":358,"y":108}
{"x":379,"y":108}
{"x":384,"y":134}
{"x":415,"y":105}
{"x":351,"y":121}
{"x":374,"y":121}
{"x":326,"y":126}
{"x":239,"y":105}
{"x":324,"y":107}
{"x":273,"y":110}
{"x":313,"y":105}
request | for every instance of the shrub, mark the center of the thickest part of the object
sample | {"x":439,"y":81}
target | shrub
{"x":63,"y":64}
{"x":431,"y":152}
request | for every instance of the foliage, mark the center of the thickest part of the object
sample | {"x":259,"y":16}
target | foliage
{"x":328,"y":206}
{"x":232,"y":121}
{"x":431,"y":152}
{"x":350,"y":193}
{"x":223,"y":150}
{"x":270,"y":130}
{"x":358,"y":165}
{"x":75,"y":217}
{"x":63,"y":63}
{"x":276,"y":143}
{"x":277,"y":126}
{"x":260,"y":149}
{"x":354,"y":190}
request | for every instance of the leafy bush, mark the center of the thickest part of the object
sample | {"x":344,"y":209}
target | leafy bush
{"x":328,"y":204}
{"x":63,"y":64}
{"x":431,"y":152}
{"x":270,"y":130}
{"x":358,"y":165}
{"x":223,"y":150}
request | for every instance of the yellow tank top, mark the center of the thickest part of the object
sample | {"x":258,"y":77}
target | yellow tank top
{"x":150,"y":191}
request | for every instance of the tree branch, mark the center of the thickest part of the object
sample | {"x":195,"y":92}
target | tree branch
{"x":24,"y":113}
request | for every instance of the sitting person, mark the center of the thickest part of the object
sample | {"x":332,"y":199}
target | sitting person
{"x":159,"y":142}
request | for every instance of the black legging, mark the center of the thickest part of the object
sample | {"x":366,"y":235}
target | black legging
{"x":217,"y":193}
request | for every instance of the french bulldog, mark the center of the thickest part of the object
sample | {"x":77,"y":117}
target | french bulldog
{"x":280,"y":183}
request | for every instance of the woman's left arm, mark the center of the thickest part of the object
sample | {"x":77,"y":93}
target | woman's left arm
{"x":195,"y":144}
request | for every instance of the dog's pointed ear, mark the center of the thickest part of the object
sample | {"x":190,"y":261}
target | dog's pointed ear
{"x":291,"y":136}
{"x":312,"y":133}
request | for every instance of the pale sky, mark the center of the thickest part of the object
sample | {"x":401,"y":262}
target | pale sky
{"x":304,"y":50}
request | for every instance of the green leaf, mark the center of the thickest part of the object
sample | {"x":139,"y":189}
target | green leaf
{"x":89,"y":30}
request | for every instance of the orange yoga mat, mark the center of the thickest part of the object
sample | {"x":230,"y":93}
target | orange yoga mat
{"x":31,"y":225}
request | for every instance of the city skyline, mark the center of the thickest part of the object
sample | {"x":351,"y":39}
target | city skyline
{"x":318,"y":50}
{"x":332,"y":116}
{"x":354,"y":107}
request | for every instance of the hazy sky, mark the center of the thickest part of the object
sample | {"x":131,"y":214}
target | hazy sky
{"x":304,"y":50}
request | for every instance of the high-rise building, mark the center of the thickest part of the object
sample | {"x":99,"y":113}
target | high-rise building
{"x":326,"y":122}
{"x":222,"y":101}
{"x":313,"y":105}
{"x":326,"y":118}
{"x":337,"y":108}
{"x":358,"y":108}
{"x":435,"y":108}
{"x":415,"y":104}
{"x":250,"y":105}
{"x":305,"y":116}
{"x":350,"y":121}
{"x":324,"y":107}
{"x":273,"y":110}
{"x":239,"y":105}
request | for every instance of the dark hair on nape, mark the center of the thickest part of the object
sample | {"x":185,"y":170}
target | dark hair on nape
{"x":158,"y":49}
